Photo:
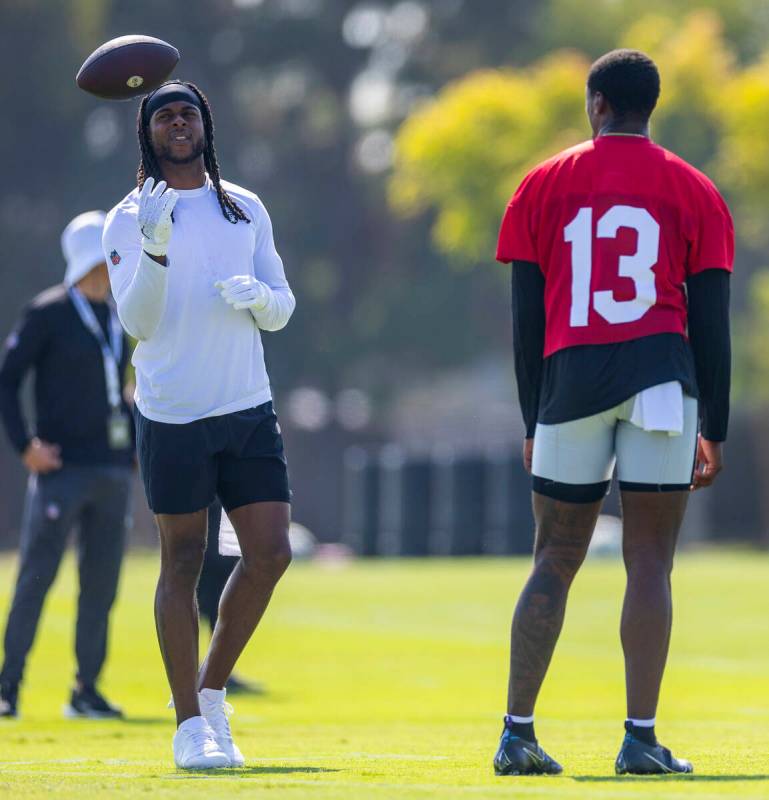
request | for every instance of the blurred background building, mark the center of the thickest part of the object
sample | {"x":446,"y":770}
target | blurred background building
{"x":385,"y":139}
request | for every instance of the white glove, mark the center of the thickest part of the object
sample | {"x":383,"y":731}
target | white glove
{"x":245,"y":291}
{"x":154,"y":217}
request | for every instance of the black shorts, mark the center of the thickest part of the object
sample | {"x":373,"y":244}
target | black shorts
{"x":238,"y":457}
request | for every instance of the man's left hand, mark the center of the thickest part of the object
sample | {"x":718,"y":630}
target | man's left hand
{"x":245,"y":291}
{"x":709,"y":463}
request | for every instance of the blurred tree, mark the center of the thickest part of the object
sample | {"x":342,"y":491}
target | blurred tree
{"x":463,"y":153}
{"x":695,"y":63}
{"x":743,"y":158}
{"x":593,"y":27}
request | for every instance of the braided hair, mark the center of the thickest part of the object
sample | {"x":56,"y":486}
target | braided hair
{"x":149,"y":167}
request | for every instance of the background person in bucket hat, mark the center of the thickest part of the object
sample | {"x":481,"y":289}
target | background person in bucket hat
{"x":79,"y":459}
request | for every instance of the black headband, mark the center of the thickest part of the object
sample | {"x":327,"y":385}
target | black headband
{"x":169,"y":93}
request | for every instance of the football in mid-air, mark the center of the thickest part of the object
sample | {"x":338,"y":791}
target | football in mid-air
{"x":127,"y":67}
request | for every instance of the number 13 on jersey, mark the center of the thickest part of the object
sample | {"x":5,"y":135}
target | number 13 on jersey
{"x":638,"y":267}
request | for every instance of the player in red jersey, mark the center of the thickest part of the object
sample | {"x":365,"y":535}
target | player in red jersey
{"x":621,"y":256}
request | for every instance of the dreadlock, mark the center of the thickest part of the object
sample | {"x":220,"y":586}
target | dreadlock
{"x":149,"y":167}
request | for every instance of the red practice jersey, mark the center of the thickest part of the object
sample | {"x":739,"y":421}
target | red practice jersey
{"x":616,"y":225}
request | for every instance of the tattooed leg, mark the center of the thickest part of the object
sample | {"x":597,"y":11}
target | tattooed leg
{"x":650,"y":522}
{"x":182,"y":545}
{"x":563,"y":535}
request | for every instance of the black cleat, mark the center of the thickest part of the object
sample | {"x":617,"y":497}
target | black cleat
{"x":639,"y":758}
{"x":516,"y":756}
{"x":87,"y":703}
{"x":9,"y":700}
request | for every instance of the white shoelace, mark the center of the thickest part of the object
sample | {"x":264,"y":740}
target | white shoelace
{"x":202,"y":740}
{"x":219,"y":721}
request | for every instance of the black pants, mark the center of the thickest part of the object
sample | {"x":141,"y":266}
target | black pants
{"x":216,"y":569}
{"x":95,"y":498}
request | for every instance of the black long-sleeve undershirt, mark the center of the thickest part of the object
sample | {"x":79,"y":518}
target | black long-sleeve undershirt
{"x":528,"y":291}
{"x":708,"y":302}
{"x":581,"y":381}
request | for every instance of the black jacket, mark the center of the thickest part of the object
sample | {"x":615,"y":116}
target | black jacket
{"x":71,"y":408}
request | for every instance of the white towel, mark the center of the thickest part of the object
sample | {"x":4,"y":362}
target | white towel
{"x":228,"y":540}
{"x":660,"y":408}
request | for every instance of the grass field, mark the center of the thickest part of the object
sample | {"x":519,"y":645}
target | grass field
{"x":387,"y":680}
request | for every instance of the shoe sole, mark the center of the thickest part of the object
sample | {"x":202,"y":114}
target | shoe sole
{"x":503,"y":773}
{"x":625,"y":771}
{"x":205,"y":766}
{"x":649,"y":772}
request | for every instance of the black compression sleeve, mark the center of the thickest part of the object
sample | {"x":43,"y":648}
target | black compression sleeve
{"x":708,"y":300}
{"x":528,"y":294}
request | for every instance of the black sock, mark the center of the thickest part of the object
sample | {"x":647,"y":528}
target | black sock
{"x":646,"y":735}
{"x":524,"y":730}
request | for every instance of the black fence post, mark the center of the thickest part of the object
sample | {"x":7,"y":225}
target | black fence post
{"x":509,"y":519}
{"x":360,"y":510}
{"x":404,"y":503}
{"x":458,"y":519}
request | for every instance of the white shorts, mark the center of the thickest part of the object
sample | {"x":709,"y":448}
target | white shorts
{"x":574,"y":461}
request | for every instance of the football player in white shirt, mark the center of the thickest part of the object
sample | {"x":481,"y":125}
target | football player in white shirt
{"x":196,"y":278}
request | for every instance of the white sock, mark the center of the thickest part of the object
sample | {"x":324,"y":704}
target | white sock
{"x":213,"y":695}
{"x":643,"y":723}
{"x":193,"y":722}
{"x":521,"y":720}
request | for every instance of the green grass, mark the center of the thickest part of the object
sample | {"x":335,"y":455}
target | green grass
{"x":388,"y":679}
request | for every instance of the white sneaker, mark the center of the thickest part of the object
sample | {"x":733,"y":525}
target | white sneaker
{"x":216,"y":711}
{"x":195,"y":746}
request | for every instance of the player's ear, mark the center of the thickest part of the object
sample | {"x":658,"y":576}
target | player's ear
{"x":597,"y":103}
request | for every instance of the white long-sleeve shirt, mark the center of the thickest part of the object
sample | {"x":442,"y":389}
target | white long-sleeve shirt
{"x":197,"y":356}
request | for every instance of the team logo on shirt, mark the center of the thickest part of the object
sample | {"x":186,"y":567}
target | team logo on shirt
{"x":114,"y":257}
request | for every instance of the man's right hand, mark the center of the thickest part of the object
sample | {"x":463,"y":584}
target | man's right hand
{"x":708,"y":464}
{"x":156,"y":204}
{"x":41,"y":457}
{"x":528,"y":453}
